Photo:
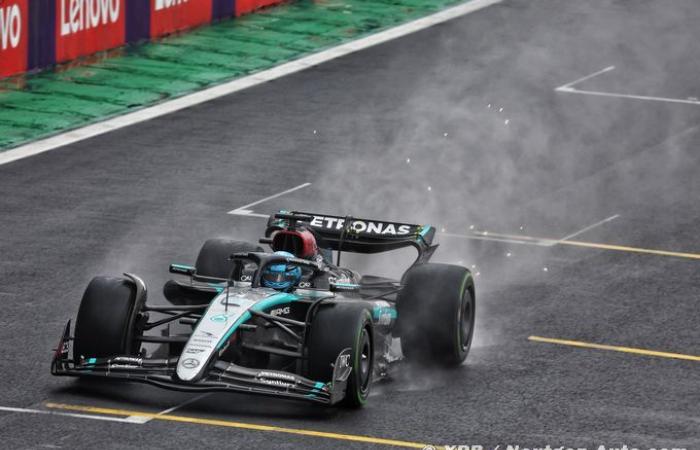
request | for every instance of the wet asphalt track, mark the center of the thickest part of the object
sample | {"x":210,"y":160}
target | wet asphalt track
{"x":139,"y":198}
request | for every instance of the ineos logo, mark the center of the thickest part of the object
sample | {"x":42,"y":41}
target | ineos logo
{"x":190,"y":363}
{"x":10,"y":26}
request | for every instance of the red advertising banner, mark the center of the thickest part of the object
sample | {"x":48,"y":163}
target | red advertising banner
{"x":172,"y":15}
{"x":14,"y":34}
{"x":246,"y":6}
{"x":88,"y":26}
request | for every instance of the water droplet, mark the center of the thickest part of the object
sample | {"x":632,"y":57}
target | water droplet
{"x":430,"y":188}
{"x":314,"y":131}
{"x":408,"y":160}
{"x":500,"y":110}
{"x":509,"y":254}
{"x":545,"y":269}
{"x":507,"y":121}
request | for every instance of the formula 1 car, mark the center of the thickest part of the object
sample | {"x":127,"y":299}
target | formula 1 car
{"x":324,"y":336}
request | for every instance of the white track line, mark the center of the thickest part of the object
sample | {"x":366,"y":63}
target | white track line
{"x":145,"y":419}
{"x":245,"y":211}
{"x":484,"y":236}
{"x":633,"y":97}
{"x":589,"y":227}
{"x":77,"y":415}
{"x":568,"y":88}
{"x":240,"y":84}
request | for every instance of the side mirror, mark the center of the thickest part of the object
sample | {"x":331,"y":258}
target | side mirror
{"x":182,"y":269}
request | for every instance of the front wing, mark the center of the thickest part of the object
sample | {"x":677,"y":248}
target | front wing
{"x":221,"y":376}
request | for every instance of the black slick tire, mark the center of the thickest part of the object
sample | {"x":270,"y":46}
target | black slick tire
{"x":336,"y":327}
{"x":436,"y":310}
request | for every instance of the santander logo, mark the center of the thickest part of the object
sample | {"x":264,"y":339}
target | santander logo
{"x":10,"y":26}
{"x":165,"y":4}
{"x":79,"y":15}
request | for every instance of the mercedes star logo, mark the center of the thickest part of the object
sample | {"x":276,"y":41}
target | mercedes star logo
{"x":190,"y":363}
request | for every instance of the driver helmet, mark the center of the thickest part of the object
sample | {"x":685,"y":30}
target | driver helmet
{"x":281,"y":276}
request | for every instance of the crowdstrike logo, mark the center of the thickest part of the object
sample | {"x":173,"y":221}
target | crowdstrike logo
{"x":10,"y":26}
{"x":165,"y":4}
{"x":79,"y":15}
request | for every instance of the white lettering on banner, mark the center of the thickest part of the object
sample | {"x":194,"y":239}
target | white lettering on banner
{"x":10,"y":26}
{"x":79,"y":15}
{"x":164,"y":4}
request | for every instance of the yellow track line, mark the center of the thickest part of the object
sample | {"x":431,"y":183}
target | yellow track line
{"x":240,"y":425}
{"x":623,"y":248}
{"x":614,"y":348}
{"x":552,"y":242}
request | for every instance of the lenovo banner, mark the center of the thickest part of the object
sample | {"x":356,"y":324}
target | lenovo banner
{"x":14,"y":35}
{"x":246,"y":6}
{"x":39,"y":33}
{"x":88,"y":26}
{"x":173,"y":15}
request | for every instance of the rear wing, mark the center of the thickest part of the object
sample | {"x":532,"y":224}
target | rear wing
{"x":352,"y":234}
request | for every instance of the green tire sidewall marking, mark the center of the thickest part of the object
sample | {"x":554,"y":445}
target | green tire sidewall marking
{"x":360,"y":328}
{"x":462,"y":293}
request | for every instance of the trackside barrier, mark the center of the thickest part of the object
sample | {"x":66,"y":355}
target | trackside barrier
{"x":39,"y":33}
{"x":14,"y":36}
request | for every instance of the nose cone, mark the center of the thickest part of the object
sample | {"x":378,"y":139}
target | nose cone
{"x":216,"y":326}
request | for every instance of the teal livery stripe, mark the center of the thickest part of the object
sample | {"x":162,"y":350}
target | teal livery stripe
{"x":270,"y":302}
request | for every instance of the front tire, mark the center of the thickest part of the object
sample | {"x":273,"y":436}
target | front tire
{"x":335,"y":328}
{"x":436,"y":314}
{"x":107,"y":319}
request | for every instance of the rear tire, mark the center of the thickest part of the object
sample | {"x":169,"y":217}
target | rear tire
{"x":335,"y":328}
{"x":436,"y":314}
{"x":213,"y":259}
{"x":107,"y":319}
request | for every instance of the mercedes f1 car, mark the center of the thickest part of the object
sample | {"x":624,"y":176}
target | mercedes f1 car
{"x":288,"y":323}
